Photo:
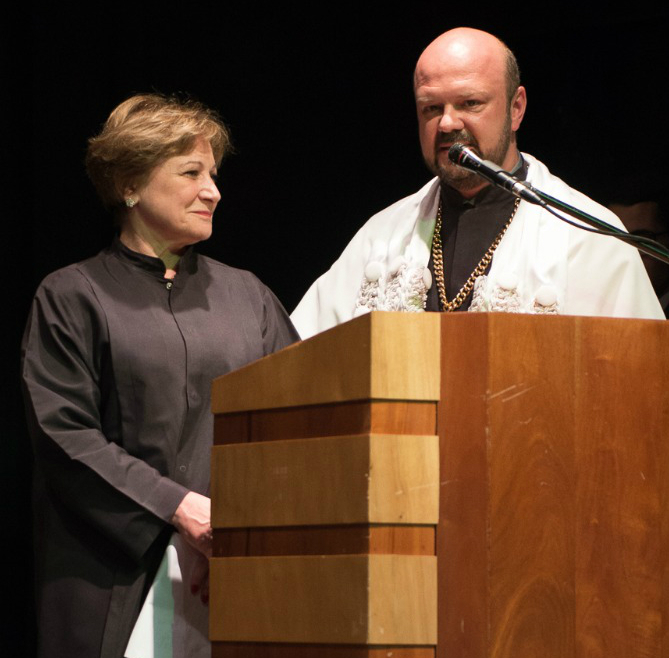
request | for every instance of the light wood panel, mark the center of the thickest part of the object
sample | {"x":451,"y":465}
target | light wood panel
{"x":379,"y":356}
{"x":353,"y":599}
{"x":326,"y":481}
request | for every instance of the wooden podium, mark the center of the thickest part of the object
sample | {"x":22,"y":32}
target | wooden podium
{"x":476,"y":485}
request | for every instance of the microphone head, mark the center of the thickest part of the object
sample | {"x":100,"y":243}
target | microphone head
{"x":456,"y":152}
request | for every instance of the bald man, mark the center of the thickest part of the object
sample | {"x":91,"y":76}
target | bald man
{"x":461,"y":244}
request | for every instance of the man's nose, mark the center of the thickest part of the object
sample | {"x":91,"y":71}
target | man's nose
{"x":450,"y":120}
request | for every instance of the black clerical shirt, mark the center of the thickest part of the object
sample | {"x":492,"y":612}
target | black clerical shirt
{"x":468,"y":228}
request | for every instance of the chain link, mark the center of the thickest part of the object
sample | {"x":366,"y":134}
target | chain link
{"x":438,"y":263}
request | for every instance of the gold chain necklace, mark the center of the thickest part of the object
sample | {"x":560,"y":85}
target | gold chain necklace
{"x":438,"y":262}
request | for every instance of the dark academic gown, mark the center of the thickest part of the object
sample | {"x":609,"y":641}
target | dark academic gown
{"x":117,"y":368}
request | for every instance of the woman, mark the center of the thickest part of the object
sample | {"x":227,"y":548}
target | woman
{"x":118,"y":357}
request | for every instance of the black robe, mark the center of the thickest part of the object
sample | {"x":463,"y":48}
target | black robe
{"x":117,"y":369}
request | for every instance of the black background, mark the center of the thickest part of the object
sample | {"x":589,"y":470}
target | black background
{"x":319,"y":101}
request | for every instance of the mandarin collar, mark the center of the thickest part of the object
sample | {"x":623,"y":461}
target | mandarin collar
{"x":151,"y":264}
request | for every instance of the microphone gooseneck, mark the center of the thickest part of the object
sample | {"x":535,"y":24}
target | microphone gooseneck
{"x":465,"y":157}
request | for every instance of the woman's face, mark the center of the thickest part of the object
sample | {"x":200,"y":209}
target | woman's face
{"x":176,"y":205}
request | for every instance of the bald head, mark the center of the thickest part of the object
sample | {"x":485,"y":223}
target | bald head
{"x":467,"y":91}
{"x":462,"y":42}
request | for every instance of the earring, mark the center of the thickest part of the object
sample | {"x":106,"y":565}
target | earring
{"x":130,"y":202}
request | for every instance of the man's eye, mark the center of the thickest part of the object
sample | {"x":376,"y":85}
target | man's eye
{"x":432,"y":109}
{"x":472,"y":103}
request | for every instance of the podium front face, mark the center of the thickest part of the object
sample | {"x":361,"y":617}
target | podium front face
{"x":422,"y":485}
{"x":325,"y":496}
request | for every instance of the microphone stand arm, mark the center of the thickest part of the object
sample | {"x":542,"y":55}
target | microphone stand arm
{"x":650,"y":247}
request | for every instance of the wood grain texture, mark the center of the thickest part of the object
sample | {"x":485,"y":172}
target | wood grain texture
{"x":389,"y":599}
{"x":555,"y":470}
{"x":254,"y":650}
{"x":463,"y":504}
{"x":553,"y":535}
{"x":333,"y":540}
{"x":368,"y":417}
{"x":621,"y":493}
{"x":374,"y":478}
{"x":530,"y":453}
{"x":382,"y":356}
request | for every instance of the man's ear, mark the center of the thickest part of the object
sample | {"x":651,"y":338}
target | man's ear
{"x":518,"y":105}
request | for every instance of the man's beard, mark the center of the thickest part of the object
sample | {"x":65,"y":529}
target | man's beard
{"x":459,"y":178}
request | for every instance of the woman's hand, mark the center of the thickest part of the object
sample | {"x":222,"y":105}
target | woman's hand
{"x":193,"y":521}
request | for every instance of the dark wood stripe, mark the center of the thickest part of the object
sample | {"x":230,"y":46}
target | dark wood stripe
{"x":326,"y":540}
{"x":327,"y":420}
{"x":261,"y":650}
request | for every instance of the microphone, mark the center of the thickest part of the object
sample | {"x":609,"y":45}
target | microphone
{"x":464,"y":157}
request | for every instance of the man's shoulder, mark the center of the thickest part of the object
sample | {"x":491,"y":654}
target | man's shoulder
{"x":406,"y":211}
{"x":541,"y":178}
{"x":412,"y":200}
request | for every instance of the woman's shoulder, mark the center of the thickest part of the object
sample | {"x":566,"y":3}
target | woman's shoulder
{"x":243,"y":284}
{"x":64,"y":279}
{"x":228,"y":272}
{"x":72,"y":282}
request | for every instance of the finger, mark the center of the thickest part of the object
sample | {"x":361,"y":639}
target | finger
{"x":199,"y":572}
{"x":206,"y":543}
{"x":204,"y":589}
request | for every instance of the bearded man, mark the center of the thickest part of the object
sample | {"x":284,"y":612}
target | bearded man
{"x":461,"y":244}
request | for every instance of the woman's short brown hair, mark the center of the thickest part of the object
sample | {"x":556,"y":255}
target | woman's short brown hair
{"x":143,"y":132}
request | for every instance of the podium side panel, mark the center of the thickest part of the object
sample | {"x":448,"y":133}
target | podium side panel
{"x":621,"y":533}
{"x":530,"y":454}
{"x":553,"y":535}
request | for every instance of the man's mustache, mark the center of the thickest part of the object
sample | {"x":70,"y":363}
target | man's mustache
{"x":461,"y":136}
